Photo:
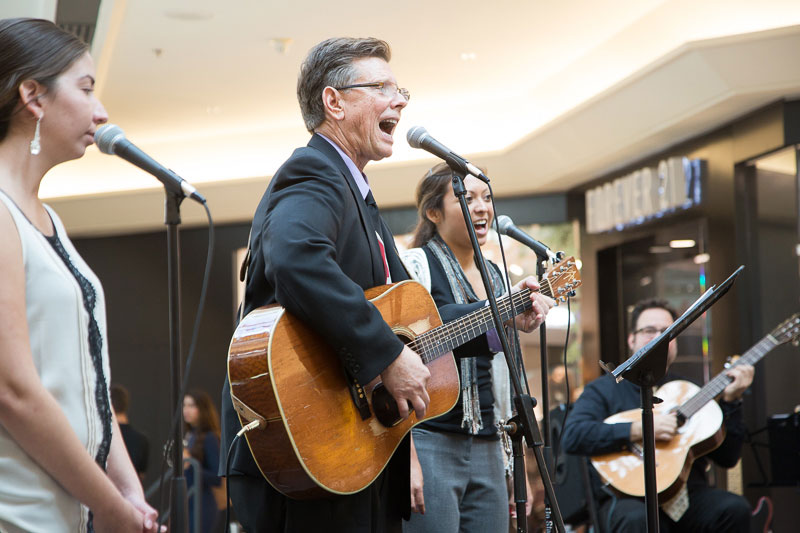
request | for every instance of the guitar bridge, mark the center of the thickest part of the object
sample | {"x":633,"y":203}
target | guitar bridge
{"x":359,"y":397}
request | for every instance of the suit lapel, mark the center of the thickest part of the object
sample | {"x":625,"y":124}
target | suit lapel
{"x":376,"y":259}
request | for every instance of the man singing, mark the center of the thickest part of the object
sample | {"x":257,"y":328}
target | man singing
{"x":317,"y":243}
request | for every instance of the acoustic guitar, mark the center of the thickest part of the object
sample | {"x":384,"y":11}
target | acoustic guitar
{"x":319,"y":433}
{"x":700,"y":422}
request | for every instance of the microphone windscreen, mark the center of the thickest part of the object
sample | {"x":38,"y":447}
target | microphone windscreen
{"x":106,"y":137}
{"x":415,"y":135}
{"x":504,"y":223}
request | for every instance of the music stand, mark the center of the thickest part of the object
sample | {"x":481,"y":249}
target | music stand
{"x":647,"y":367}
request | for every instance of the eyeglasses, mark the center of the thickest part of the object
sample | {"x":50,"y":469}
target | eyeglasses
{"x":387,"y":88}
{"x":650,"y":331}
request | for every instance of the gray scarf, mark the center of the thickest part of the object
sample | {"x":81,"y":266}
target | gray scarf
{"x":463,"y":293}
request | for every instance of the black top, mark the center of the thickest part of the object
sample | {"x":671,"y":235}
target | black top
{"x":585,"y":433}
{"x":478,"y":347}
{"x":138,"y":447}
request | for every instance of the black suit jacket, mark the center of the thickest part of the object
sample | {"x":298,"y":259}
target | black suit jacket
{"x":314,"y":251}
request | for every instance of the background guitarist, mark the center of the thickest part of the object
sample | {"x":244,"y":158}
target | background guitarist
{"x":586,"y":433}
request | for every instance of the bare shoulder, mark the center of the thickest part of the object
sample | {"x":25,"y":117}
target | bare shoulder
{"x":10,"y":251}
{"x":14,"y":333}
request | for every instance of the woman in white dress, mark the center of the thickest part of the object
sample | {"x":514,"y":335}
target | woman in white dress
{"x":63,"y":464}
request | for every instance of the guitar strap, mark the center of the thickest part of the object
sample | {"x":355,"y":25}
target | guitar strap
{"x":678,"y":505}
{"x":244,"y":270}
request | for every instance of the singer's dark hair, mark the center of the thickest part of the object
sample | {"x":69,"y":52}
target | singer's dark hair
{"x":33,"y":49}
{"x":430,"y":196}
{"x":330,"y":64}
{"x":650,"y":303}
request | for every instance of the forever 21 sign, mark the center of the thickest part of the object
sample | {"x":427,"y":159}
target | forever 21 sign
{"x":645,"y":194}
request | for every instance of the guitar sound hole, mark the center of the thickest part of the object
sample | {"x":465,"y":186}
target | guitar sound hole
{"x":385,"y":407}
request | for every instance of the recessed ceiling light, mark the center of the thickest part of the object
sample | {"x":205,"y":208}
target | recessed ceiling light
{"x":188,"y":15}
{"x":682,"y":243}
{"x":468,"y":56}
{"x":699,"y":259}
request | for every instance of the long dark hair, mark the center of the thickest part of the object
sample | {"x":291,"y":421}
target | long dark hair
{"x":207,"y":421}
{"x":33,"y":49}
{"x":430,"y":195}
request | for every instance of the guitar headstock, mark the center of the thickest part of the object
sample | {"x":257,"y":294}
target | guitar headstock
{"x":788,"y":331}
{"x":561,"y":280}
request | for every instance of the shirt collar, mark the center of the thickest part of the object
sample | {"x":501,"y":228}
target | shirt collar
{"x":359,"y":177}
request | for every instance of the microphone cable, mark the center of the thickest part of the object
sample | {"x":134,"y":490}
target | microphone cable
{"x":247,"y":427}
{"x":177,"y":413}
{"x":557,"y":445}
{"x":516,"y":357}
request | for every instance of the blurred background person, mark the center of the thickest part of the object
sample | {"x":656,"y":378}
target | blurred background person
{"x":63,"y":464}
{"x":458,"y":472}
{"x":136,"y":442}
{"x":201,"y":442}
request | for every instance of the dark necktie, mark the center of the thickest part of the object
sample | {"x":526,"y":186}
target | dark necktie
{"x":372,"y":209}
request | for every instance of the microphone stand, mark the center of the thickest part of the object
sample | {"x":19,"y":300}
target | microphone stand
{"x":178,"y":493}
{"x":523,"y":424}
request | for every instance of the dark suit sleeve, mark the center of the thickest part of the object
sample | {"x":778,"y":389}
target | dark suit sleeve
{"x":729,"y":452}
{"x":585,"y":433}
{"x":310,"y":212}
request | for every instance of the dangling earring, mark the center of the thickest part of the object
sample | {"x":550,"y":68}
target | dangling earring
{"x":36,"y":146}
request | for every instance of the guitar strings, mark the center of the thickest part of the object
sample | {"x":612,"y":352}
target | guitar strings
{"x":440,"y":340}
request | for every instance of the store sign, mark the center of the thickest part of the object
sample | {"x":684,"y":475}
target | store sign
{"x":644,"y":194}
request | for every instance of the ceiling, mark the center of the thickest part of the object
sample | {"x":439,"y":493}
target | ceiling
{"x":547,"y":95}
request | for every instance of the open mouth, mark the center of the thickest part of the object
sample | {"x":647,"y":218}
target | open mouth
{"x":387,"y":126}
{"x":481,"y":225}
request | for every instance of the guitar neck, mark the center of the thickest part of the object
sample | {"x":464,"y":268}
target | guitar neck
{"x":446,"y":337}
{"x":714,"y":388}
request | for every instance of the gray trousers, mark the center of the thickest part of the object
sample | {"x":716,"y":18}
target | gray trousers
{"x":464,"y":484}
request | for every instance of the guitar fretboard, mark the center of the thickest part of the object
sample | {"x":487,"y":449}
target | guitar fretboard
{"x":713,"y":388}
{"x":445,"y":338}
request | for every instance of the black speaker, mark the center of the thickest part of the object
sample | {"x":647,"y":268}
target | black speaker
{"x":784,"y":448}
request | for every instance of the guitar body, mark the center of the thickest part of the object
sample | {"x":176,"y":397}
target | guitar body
{"x":699,"y":435}
{"x":315,"y":441}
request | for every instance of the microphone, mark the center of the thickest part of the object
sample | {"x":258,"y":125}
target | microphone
{"x":506,"y":227}
{"x":111,"y":140}
{"x":418,"y":137}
